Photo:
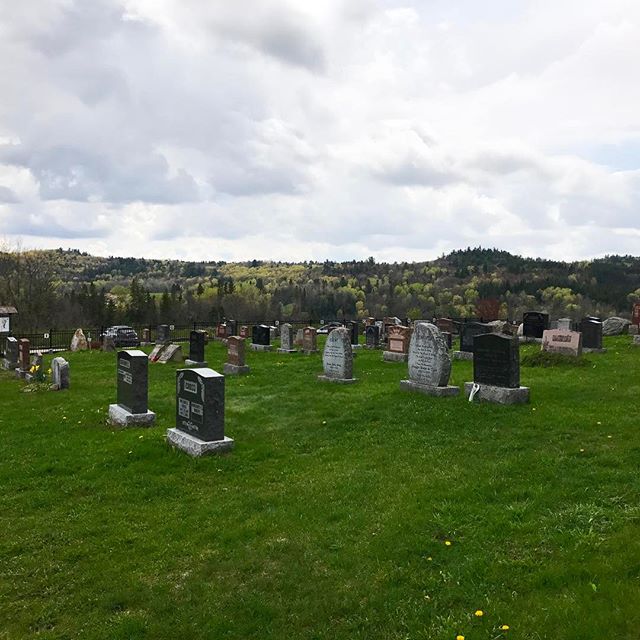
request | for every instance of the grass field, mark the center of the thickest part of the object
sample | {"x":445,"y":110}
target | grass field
{"x":343,"y":512}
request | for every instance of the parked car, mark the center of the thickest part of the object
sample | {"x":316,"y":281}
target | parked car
{"x":328,"y":328}
{"x":122,"y":335}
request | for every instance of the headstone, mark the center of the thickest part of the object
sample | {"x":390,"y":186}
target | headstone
{"x":196,"y":349}
{"x":156,"y":352}
{"x":146,"y":336}
{"x":59,"y":374}
{"x":163,"y":334}
{"x":286,"y":345}
{"x":591,"y":329}
{"x":299,"y":340}
{"x":235,"y":364}
{"x":445,"y":324}
{"x":615,"y":326}
{"x":131,"y":409}
{"x":232,"y":328}
{"x":448,"y":338}
{"x":562,"y":341}
{"x":468,"y":331}
{"x":337,"y":358}
{"x":244,"y":332}
{"x":171,"y":353}
{"x":309,"y":340}
{"x":397,"y":344}
{"x":11,"y":354}
{"x":221,"y":331}
{"x":79,"y":341}
{"x":369,"y":322}
{"x":564,"y":324}
{"x":261,"y":338}
{"x":199,"y":426}
{"x":496,"y":370}
{"x":354,"y":334}
{"x":108,"y":343}
{"x":633,"y":329}
{"x":24,"y":360}
{"x":372,"y":337}
{"x":534,"y":324}
{"x":429,"y":363}
{"x":635,"y":314}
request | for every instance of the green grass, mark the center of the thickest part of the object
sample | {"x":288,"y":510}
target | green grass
{"x":329,"y":518}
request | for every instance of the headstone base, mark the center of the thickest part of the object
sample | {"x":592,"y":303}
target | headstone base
{"x":337,"y":380}
{"x":463,"y":355}
{"x":234,"y":369}
{"x":370,"y":347}
{"x":530,"y":339}
{"x":196,"y":447}
{"x":260,"y":347}
{"x":588,"y":350}
{"x":499,"y":395}
{"x":287,"y":351}
{"x":120,"y":417}
{"x":438,"y":392}
{"x":22,"y":373}
{"x":394,"y":356}
{"x":356,"y":346}
{"x":195,"y":363}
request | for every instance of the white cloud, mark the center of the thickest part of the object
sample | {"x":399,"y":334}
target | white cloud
{"x":288,"y":130}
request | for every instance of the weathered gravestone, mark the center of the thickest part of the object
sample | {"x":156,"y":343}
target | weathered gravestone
{"x":354,"y":334}
{"x":235,"y":364}
{"x":59,"y":374}
{"x":564,"y":324}
{"x":24,"y":361}
{"x":448,"y":338}
{"x":156,"y":352}
{"x":468,"y":332}
{"x":146,"y":336}
{"x":199,"y":426}
{"x":132,"y":409}
{"x":221,"y":331}
{"x":561,"y":341}
{"x":261,"y":338}
{"x":309,"y":340}
{"x":429,"y":363}
{"x":397,"y":344}
{"x":591,"y":330}
{"x":11,"y":354}
{"x":534,"y":323}
{"x":163,"y":334}
{"x":171,"y":353}
{"x":286,"y":345}
{"x":79,"y":341}
{"x":496,"y":370}
{"x":108,"y":343}
{"x":446,"y":325}
{"x":372,"y":337}
{"x":197,"y":341}
{"x":244,"y":332}
{"x":299,"y":339}
{"x":337,"y":358}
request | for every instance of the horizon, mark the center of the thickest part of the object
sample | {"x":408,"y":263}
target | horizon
{"x":291,"y":132}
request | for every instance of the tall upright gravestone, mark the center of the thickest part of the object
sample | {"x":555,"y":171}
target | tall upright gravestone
{"x":354,"y":334}
{"x":429,"y":363}
{"x":372,"y":337}
{"x":309,"y":340}
{"x":261,"y":338}
{"x":197,"y":341}
{"x":199,"y":426}
{"x":163,"y":334}
{"x":534,"y":324}
{"x":11,"y":354}
{"x":468,"y":332}
{"x":59,"y":374}
{"x":337,"y":358}
{"x":286,"y":339}
{"x":131,"y":409}
{"x":24,"y":362}
{"x":591,"y":329}
{"x":496,"y":370}
{"x":235,"y":364}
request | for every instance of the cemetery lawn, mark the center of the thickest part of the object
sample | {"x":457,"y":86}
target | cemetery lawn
{"x":344,"y":512}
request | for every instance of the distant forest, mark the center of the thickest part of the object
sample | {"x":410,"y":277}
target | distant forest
{"x":68,"y":288}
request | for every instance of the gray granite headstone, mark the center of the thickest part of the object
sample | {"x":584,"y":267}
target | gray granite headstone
{"x":199,"y":412}
{"x":337,"y":358}
{"x":59,"y":373}
{"x":163,"y":334}
{"x":286,"y":345}
{"x":309,"y":340}
{"x":372,"y":336}
{"x":429,"y":362}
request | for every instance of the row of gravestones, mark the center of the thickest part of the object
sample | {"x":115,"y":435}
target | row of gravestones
{"x":496,"y":365}
{"x":18,"y":358}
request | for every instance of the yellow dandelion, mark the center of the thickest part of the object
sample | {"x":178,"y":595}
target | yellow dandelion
{"x":49,"y":371}
{"x":447,"y":543}
{"x":32,"y":370}
{"x":479,"y":613}
{"x":459,"y":637}
{"x":504,"y":627}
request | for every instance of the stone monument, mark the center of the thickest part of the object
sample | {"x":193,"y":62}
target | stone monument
{"x":309,"y":340}
{"x":468,"y":332}
{"x":337,"y":358}
{"x":261,"y":338}
{"x":132,"y":408}
{"x":398,"y":338}
{"x":79,"y":341}
{"x":197,"y":340}
{"x":534,"y":323}
{"x":372,"y":336}
{"x":59,"y":374}
{"x":11,"y":354}
{"x":235,"y":364}
{"x":562,"y":341}
{"x":286,"y":345}
{"x":591,"y":329}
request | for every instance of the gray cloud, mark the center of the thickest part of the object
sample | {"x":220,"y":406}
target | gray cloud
{"x":7,"y":195}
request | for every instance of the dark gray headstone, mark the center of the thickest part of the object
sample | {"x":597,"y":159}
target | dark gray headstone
{"x":496,"y":360}
{"x":372,"y":336}
{"x":534,"y":324}
{"x":469,"y":331}
{"x":591,"y":329}
{"x":200,"y":403}
{"x":133,"y":380}
{"x":261,"y":334}
{"x":163,"y":334}
{"x":232,"y":327}
{"x":354,"y":332}
{"x":196,"y":345}
{"x":12,"y":352}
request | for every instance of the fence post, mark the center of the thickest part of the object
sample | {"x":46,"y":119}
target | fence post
{"x":50,"y":339}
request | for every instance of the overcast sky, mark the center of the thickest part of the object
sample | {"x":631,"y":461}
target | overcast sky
{"x":340,"y":129}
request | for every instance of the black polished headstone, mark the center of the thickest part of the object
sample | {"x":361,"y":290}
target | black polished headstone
{"x":200,"y":403}
{"x":496,"y":360}
{"x":372,"y":336}
{"x":534,"y":324}
{"x":196,"y":345}
{"x":354,"y":332}
{"x":591,"y":330}
{"x":133,"y":382}
{"x":469,"y":331}
{"x":261,"y":334}
{"x":12,"y":351}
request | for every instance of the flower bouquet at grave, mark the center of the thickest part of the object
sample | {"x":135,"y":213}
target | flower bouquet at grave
{"x":37,"y":372}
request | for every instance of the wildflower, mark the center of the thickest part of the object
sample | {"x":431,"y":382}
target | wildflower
{"x":32,"y":370}
{"x":581,"y":450}
{"x":504,"y":627}
{"x":49,"y":371}
{"x":479,"y":613}
{"x":459,"y":637}
{"x":447,"y":543}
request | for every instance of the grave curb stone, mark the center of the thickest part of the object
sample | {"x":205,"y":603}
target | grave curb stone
{"x":195,"y":363}
{"x":194,"y":446}
{"x":498,"y":395}
{"x":324,"y":378}
{"x":438,"y":392}
{"x":120,"y":417}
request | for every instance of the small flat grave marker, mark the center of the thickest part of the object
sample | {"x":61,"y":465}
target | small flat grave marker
{"x":562,"y":341}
